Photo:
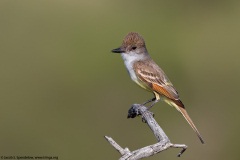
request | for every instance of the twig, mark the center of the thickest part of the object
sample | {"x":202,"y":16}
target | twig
{"x":163,"y":141}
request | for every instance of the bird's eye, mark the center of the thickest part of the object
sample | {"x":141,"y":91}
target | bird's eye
{"x":133,"y":48}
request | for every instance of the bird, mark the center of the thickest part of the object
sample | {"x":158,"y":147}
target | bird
{"x":148,"y":75}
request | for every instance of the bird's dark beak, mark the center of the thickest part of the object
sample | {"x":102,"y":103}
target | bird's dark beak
{"x":118,"y":50}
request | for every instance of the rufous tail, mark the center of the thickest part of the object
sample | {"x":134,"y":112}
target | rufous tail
{"x":180,"y":107}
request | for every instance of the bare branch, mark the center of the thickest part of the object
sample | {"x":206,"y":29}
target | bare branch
{"x":163,"y":141}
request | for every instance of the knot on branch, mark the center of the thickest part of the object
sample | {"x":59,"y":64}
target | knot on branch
{"x":133,"y":111}
{"x":137,"y":110}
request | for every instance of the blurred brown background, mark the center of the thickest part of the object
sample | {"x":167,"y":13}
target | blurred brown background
{"x":62,"y":89}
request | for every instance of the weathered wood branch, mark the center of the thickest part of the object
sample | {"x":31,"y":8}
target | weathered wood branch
{"x":163,"y":141}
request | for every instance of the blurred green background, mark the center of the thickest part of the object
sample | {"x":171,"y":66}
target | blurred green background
{"x":62,"y":89}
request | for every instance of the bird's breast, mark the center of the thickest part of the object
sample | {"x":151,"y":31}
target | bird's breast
{"x":129,"y":62}
{"x":131,"y":71}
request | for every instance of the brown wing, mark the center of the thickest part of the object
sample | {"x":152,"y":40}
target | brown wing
{"x":156,"y":79}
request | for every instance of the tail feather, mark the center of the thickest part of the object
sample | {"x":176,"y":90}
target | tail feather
{"x":180,"y":107}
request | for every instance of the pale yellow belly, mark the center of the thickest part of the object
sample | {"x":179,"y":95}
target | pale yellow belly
{"x":143,"y":85}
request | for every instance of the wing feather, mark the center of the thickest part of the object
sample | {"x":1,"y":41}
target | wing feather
{"x":156,"y":79}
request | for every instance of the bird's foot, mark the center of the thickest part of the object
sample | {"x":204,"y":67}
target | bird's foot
{"x":150,"y":100}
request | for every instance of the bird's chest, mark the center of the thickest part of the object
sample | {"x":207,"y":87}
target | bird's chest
{"x":129,"y":63}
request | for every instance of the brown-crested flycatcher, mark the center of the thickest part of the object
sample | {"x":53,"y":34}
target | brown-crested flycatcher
{"x":147,"y":74}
